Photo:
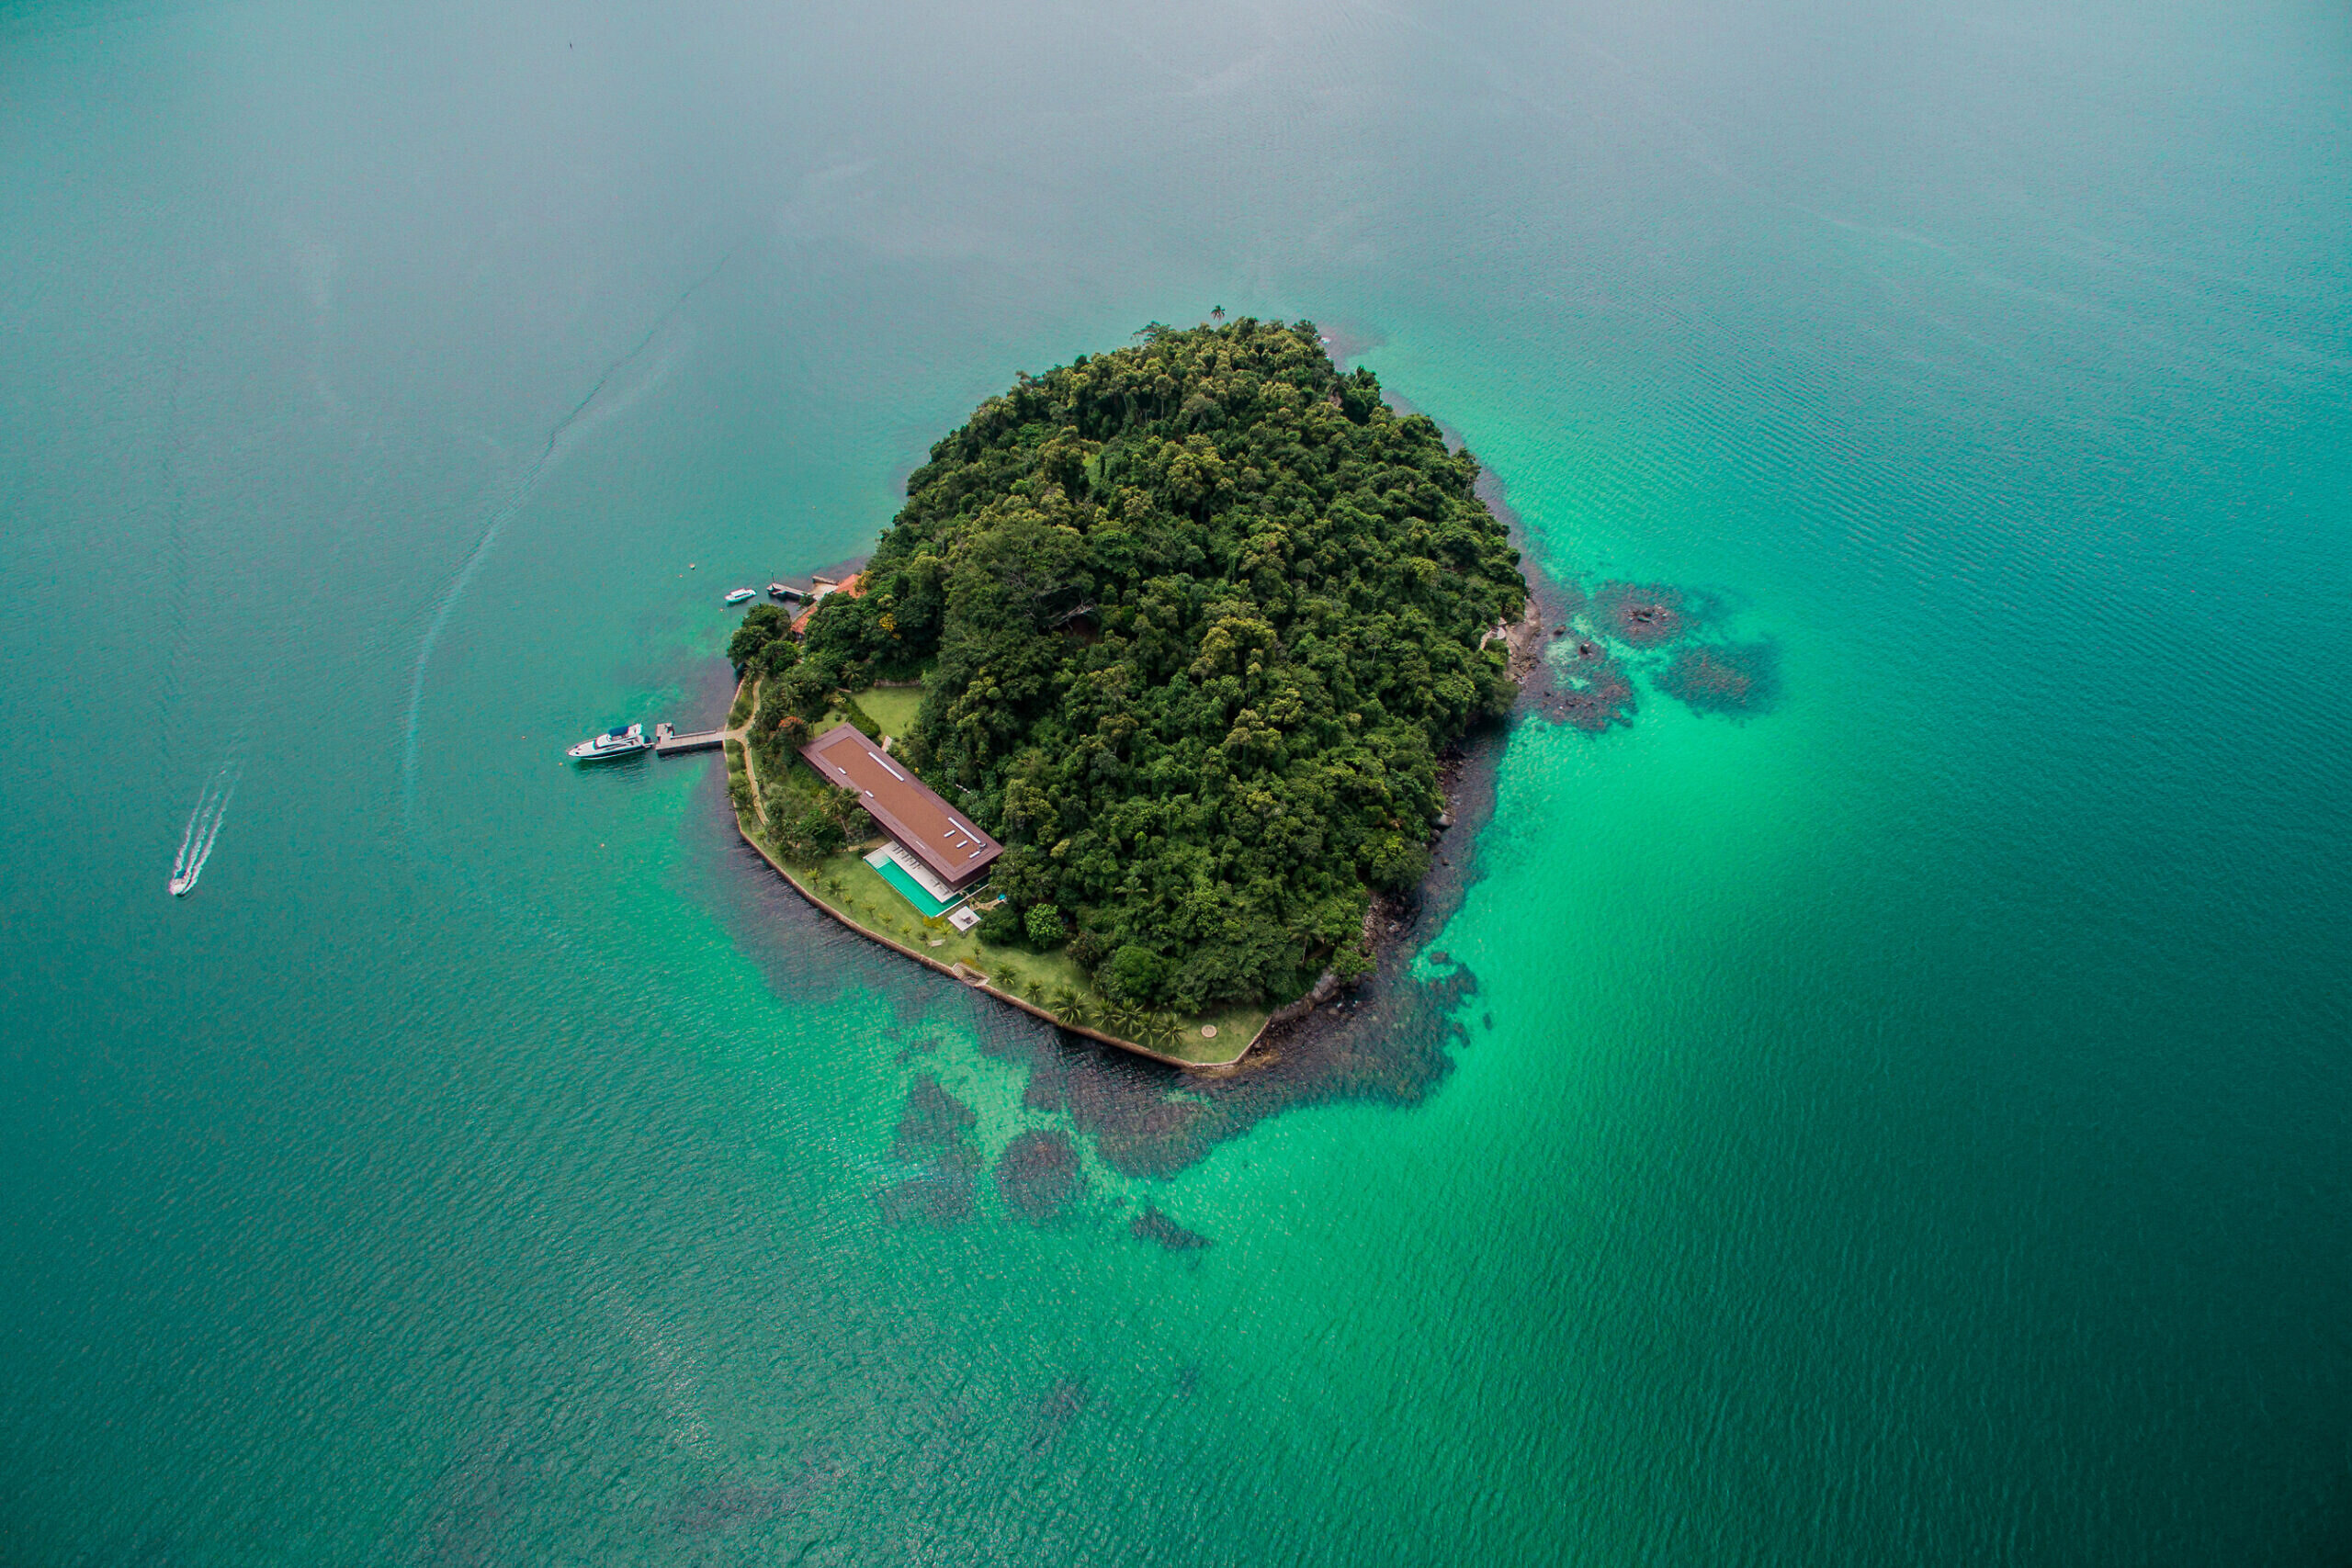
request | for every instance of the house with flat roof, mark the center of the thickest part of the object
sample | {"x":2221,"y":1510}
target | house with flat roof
{"x":941,"y":838}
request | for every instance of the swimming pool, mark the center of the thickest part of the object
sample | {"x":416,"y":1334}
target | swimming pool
{"x":912,"y":891}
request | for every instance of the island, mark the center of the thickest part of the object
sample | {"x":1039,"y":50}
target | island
{"x":1142,"y":699}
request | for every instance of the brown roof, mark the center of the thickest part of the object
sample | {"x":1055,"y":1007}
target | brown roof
{"x":945,"y":839}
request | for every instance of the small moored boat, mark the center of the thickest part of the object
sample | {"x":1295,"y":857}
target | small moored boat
{"x":737,"y":596}
{"x":612,"y":743}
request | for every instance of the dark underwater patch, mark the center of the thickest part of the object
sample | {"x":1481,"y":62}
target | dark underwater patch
{"x":1592,"y":693}
{"x":1039,"y":1177}
{"x":1058,"y":1408}
{"x":1737,"y":680}
{"x":1047,"y":1088}
{"x":1643,"y":615}
{"x":1388,"y":1044}
{"x":719,"y":1507}
{"x":930,"y":1119}
{"x":941,"y":1197}
{"x":475,"y":1497}
{"x":714,"y":1509}
{"x":1154,"y":1226}
{"x":934,"y":1135}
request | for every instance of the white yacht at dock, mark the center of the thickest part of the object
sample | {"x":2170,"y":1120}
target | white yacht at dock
{"x":612,"y":743}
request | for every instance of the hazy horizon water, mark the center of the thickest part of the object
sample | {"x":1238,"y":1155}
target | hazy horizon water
{"x":1897,"y":1121}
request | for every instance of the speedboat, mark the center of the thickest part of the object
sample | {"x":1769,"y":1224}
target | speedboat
{"x":737,"y":596}
{"x":612,"y":743}
{"x":180,"y":884}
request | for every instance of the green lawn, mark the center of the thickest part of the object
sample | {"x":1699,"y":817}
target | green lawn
{"x":892,"y":707}
{"x":859,"y":892}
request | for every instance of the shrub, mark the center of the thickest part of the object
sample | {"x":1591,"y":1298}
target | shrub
{"x":842,"y":808}
{"x":763,"y":625}
{"x":803,"y":690}
{"x":1136,"y":976}
{"x":806,"y":836}
{"x":1000,"y":927}
{"x":1045,"y":926}
{"x":1389,"y":862}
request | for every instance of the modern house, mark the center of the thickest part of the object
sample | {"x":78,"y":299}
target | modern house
{"x":936,"y":845}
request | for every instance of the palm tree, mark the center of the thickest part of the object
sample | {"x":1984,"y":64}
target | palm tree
{"x":1065,"y":1004}
{"x":1217,"y":314}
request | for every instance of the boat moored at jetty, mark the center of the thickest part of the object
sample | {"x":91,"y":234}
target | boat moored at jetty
{"x":612,"y":743}
{"x":737,"y":596}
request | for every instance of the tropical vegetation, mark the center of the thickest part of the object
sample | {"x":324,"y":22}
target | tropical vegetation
{"x":1197,"y":618}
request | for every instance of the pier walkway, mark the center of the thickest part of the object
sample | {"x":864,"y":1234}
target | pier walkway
{"x":668,"y":743}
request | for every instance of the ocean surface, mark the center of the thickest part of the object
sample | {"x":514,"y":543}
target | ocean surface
{"x":1897,"y":1117}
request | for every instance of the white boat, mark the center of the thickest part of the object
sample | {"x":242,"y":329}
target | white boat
{"x":736,"y":596}
{"x":180,"y":884}
{"x":612,"y":743}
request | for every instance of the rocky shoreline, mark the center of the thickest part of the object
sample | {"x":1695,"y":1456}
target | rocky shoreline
{"x":1401,"y":922}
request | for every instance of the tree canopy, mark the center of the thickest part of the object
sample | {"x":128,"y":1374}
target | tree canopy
{"x":1203,"y":612}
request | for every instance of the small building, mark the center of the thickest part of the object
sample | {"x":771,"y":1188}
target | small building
{"x":944,"y":840}
{"x":854,"y":585}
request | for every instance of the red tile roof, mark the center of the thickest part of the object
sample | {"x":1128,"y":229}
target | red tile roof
{"x":945,"y":838}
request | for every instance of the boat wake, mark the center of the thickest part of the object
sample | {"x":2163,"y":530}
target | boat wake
{"x":203,"y":829}
{"x":605,"y":399}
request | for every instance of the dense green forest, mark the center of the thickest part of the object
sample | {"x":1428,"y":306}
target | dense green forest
{"x":1199,"y":615}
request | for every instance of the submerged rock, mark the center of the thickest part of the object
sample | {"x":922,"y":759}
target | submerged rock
{"x":933,"y":1136}
{"x":932,"y":1118}
{"x":1734,"y":679}
{"x":1640,"y":615}
{"x":1598,"y":694}
{"x":1039,"y":1177}
{"x":1154,"y":1226}
{"x":1056,"y":1411}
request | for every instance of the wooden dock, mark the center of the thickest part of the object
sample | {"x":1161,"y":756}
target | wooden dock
{"x":668,"y":743}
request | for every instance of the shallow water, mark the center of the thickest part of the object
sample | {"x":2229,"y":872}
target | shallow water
{"x":1898,"y":1121}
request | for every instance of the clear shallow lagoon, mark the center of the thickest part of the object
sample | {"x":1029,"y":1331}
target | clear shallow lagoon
{"x":1906,"y":1126}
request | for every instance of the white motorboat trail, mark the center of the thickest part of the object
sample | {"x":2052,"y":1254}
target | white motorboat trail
{"x":203,"y":829}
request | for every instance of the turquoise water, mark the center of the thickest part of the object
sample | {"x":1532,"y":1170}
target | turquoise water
{"x":1904,"y":1124}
